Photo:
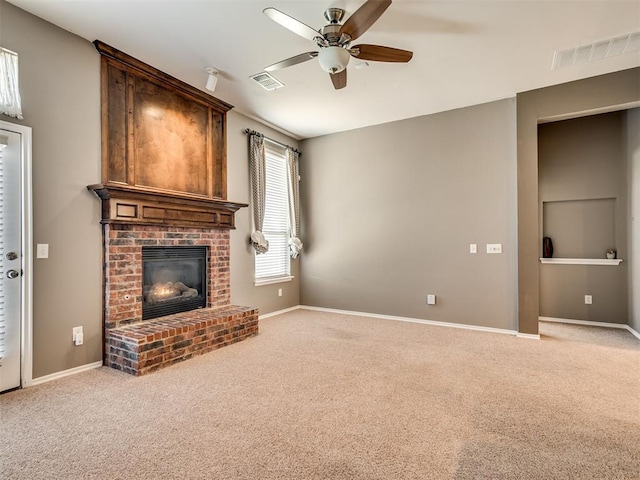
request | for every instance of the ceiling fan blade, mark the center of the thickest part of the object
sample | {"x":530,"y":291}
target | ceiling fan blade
{"x":364,"y":17}
{"x":339,"y":79}
{"x":291,"y":23}
{"x":303,"y":57}
{"x":378,"y":53}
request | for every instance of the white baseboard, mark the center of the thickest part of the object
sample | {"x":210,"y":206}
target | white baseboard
{"x":529,"y":336}
{"x":412,"y":320}
{"x":64,"y":373}
{"x":588,"y":323}
{"x":279,"y":312}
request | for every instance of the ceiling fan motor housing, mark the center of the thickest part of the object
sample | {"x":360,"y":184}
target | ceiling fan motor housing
{"x":333,"y":59}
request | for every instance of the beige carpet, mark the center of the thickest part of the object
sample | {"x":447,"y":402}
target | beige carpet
{"x":325,"y":396}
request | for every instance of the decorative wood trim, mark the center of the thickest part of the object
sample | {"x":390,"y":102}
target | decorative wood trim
{"x":110,"y":52}
{"x":122,"y":204}
{"x":164,"y":148}
{"x":130,"y":164}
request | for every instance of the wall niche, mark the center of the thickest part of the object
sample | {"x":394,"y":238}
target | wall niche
{"x":580,"y":228}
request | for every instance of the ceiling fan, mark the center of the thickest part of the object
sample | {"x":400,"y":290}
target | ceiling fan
{"x":334,"y":40}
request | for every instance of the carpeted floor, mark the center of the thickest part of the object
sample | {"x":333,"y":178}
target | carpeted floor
{"x":326,"y":396}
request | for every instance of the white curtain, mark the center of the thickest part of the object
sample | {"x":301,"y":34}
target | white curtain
{"x":257,"y":166}
{"x":10,"y":103}
{"x":293,"y":177}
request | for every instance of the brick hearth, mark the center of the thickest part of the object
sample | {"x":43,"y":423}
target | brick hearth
{"x":143,"y":347}
{"x":138,"y":347}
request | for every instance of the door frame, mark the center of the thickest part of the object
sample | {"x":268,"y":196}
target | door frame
{"x":26,"y":320}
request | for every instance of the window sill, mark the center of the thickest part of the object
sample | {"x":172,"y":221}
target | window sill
{"x":270,"y":281}
{"x":581,"y":261}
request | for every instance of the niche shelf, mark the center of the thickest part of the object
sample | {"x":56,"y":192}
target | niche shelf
{"x":582,"y":261}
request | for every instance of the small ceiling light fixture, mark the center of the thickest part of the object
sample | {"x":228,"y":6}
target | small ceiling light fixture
{"x":212,"y":80}
{"x":334,"y":59}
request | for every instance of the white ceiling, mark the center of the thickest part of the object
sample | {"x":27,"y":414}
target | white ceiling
{"x":465,"y":52}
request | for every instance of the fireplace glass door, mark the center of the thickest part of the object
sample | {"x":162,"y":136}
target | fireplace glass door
{"x":174,"y":280}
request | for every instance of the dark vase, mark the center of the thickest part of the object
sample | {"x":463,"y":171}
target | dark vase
{"x":547,"y":247}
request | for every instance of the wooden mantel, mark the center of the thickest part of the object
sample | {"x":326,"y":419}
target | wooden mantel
{"x":122,"y":204}
{"x":164,"y":149}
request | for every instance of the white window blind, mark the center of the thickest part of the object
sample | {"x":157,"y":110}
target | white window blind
{"x":275,"y":263}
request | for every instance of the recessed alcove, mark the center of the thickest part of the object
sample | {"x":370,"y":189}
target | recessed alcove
{"x":583,"y":196}
{"x":584,"y":228}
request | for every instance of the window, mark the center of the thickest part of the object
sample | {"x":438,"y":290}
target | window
{"x":274,"y":265}
{"x":9,"y":93}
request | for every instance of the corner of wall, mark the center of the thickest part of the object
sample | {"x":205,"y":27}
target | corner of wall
{"x":633,"y":214}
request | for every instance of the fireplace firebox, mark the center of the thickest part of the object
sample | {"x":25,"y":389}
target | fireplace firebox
{"x":174,"y":280}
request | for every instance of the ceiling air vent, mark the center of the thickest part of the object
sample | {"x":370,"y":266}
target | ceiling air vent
{"x":267,"y":81}
{"x":596,"y":51}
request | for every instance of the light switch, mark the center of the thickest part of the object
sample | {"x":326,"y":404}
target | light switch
{"x":473,"y":248}
{"x":42,"y":250}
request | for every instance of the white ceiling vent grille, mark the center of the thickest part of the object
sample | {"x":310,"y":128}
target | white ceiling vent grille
{"x":267,"y":81}
{"x":596,"y":51}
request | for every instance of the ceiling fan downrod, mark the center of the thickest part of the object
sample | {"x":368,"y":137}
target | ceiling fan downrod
{"x":334,"y":15}
{"x":331,"y":32}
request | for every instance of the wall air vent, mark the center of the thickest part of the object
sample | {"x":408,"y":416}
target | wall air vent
{"x":596,"y":51}
{"x":267,"y":81}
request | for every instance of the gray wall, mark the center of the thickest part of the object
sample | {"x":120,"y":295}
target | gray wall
{"x":614,"y":91}
{"x":633,"y":186}
{"x":389,"y":212}
{"x":59,"y":84}
{"x":60,"y":88}
{"x":583,"y":187}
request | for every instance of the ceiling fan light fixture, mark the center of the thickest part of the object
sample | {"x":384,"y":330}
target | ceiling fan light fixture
{"x":333,"y":59}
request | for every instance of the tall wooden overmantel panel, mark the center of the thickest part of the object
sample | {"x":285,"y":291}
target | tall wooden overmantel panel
{"x":163,"y":148}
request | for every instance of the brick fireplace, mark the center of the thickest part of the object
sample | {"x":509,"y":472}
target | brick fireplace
{"x":164,"y":184}
{"x":123,"y":266}
{"x":139,"y":346}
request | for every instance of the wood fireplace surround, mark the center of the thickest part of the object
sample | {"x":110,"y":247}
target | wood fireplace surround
{"x":163,"y":184}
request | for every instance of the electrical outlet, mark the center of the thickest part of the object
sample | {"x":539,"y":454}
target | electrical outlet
{"x":279,"y":292}
{"x":78,"y":336}
{"x":494,"y":248}
{"x":431,"y":299}
{"x":588,"y":300}
{"x":42,"y":250}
